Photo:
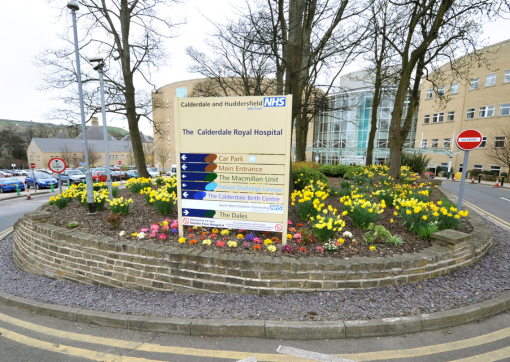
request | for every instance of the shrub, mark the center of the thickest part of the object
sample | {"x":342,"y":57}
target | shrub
{"x":353,"y":171}
{"x":120,"y":206}
{"x":377,"y":233}
{"x":335,"y":170}
{"x":415,"y":161}
{"x":303,"y":177}
{"x":115,"y":220}
{"x":304,"y":164}
{"x":475,"y":173}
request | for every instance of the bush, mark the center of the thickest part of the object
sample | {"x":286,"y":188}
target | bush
{"x":335,"y":170}
{"x":115,"y":220}
{"x":303,"y":177}
{"x":415,"y":161}
{"x":353,"y":171}
{"x":304,"y":164}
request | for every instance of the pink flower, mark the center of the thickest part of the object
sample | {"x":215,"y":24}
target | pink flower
{"x":296,"y":236}
{"x":144,"y":230}
{"x":174,"y":225}
{"x":289,"y":222}
{"x":154,"y":227}
{"x":220,"y":243}
{"x":165,"y":229}
{"x":153,"y":234}
{"x":162,"y":236}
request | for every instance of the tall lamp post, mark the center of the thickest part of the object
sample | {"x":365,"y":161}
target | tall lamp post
{"x":73,"y":6}
{"x":99,"y":67}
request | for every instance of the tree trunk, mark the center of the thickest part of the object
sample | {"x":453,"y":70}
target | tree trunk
{"x":373,"y":123}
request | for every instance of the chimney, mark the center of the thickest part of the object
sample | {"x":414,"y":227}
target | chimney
{"x":95,"y":121}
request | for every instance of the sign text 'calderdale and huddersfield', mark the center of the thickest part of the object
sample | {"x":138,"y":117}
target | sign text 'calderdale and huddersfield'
{"x":233,"y":162}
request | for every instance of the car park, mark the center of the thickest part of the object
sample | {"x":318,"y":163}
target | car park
{"x":72,"y":176}
{"x":10,"y":183}
{"x":41,"y":180}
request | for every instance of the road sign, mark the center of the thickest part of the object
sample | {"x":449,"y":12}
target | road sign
{"x":120,"y":162}
{"x":234,"y":160}
{"x":82,"y":163}
{"x":57,"y":165}
{"x":469,"y":139}
{"x":32,"y":165}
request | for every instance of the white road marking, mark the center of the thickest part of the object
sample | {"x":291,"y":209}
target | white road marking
{"x":314,"y":356}
{"x":504,"y":199}
{"x":249,"y":359}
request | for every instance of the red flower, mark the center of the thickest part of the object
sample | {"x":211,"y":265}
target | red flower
{"x":303,"y":249}
{"x":191,"y":235}
{"x":266,"y":233}
{"x":192,"y":241}
{"x":202,"y":237}
{"x":300,"y":225}
{"x":275,"y":240}
{"x":257,"y":247}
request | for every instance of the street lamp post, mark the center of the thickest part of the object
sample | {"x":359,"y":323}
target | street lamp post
{"x":99,"y":68}
{"x":73,"y":6}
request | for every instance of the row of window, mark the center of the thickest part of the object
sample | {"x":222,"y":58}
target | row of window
{"x":483,"y":112}
{"x":490,"y":80}
{"x":499,"y":142}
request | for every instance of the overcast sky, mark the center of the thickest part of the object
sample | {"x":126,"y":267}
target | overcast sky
{"x":29,"y":26}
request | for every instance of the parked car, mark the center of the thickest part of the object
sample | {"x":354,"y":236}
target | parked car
{"x":430,"y":174}
{"x":172,"y":171}
{"x":10,"y":183}
{"x":44,"y":171}
{"x":6,"y":173}
{"x":152,"y":172}
{"x":73,"y":176}
{"x":41,"y":180}
{"x":118,"y":175}
{"x":19,"y":172}
{"x":132,"y":173}
{"x":99,"y":176}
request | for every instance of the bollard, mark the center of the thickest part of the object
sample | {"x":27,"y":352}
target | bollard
{"x":479,"y":178}
{"x":17,"y":190}
{"x":68,"y":184}
{"x":52,"y":190}
{"x":502,"y":180}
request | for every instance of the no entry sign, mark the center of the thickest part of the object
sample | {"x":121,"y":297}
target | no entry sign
{"x":469,"y":139}
{"x":57,"y":165}
{"x":120,"y":162}
{"x":32,"y":165}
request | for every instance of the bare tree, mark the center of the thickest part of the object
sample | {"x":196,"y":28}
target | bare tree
{"x":129,"y":34}
{"x":162,"y":156}
{"x":431,"y":32}
{"x":94,"y":156}
{"x":499,"y":151}
{"x":66,"y":155}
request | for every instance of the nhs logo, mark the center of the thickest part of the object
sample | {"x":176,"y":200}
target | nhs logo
{"x":274,"y":101}
{"x":276,"y":207}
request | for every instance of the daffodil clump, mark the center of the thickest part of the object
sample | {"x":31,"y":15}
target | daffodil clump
{"x":135,"y":185}
{"x":100,"y":198}
{"x":362,"y":212}
{"x":171,"y":184}
{"x":147,"y":192}
{"x":310,"y":199}
{"x":60,"y":201}
{"x":425,"y":218}
{"x":326,"y":224}
{"x":163,"y":200}
{"x":120,"y":205}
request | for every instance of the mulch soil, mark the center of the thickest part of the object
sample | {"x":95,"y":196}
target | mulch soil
{"x":142,"y":215}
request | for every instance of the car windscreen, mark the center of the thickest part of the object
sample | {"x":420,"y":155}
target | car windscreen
{"x":9,"y":179}
{"x":42,"y":176}
{"x":72,"y":173}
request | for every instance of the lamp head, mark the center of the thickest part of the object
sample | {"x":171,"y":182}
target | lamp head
{"x":73,"y":5}
{"x":96,"y":59}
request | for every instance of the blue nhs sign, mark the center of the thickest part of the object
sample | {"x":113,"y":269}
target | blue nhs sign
{"x":274,"y":101}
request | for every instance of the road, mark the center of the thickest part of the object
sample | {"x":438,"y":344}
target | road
{"x":27,"y":337}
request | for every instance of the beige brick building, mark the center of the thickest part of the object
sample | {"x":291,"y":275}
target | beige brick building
{"x":164,"y":126}
{"x":482,"y":103}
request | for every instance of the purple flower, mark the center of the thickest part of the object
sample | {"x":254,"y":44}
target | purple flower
{"x":319,"y":249}
{"x":249,"y":237}
{"x":246,"y":245}
{"x":287,"y":248}
{"x":257,"y":241}
{"x":174,"y":231}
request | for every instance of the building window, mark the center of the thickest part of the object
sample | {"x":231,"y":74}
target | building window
{"x":487,"y":111}
{"x":181,"y":92}
{"x":122,"y":156}
{"x":100,"y":157}
{"x":168,"y":122}
{"x":440,"y":91}
{"x":460,"y":167}
{"x":504,"y":109}
{"x":451,"y":116}
{"x":444,"y":166}
{"x":435,"y":143}
{"x":426,"y":118}
{"x":382,"y":143}
{"x":507,"y":77}
{"x":167,"y":103}
{"x":490,"y":80}
{"x":384,"y":125}
{"x":478,"y":167}
{"x":447,"y":143}
{"x":470,"y":113}
{"x":499,"y":142}
{"x":127,"y":156}
{"x":484,"y":143}
{"x":429,"y":94}
{"x":423,"y":144}
{"x":31,"y":158}
{"x":496,"y":168}
{"x":474,"y":83}
{"x":38,"y":158}
{"x":437,"y":117}
{"x":454,"y":88}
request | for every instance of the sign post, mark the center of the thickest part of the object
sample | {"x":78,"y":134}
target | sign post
{"x":467,"y":140}
{"x":120,"y":171}
{"x":32,"y":166}
{"x":233,"y":164}
{"x":57,"y":165}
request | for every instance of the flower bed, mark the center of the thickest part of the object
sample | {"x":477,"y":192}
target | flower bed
{"x":364,"y":216}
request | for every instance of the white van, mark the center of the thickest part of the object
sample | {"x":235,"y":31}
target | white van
{"x":173,"y":170}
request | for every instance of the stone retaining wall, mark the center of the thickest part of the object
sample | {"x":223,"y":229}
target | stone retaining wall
{"x":44,"y":249}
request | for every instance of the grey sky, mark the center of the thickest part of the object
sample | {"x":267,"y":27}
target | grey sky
{"x":29,"y":26}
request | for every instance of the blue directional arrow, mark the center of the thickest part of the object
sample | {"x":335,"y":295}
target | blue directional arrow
{"x":198,"y":176}
{"x":199,"y":186}
{"x":197,"y":157}
{"x":200,"y":167}
{"x":197,"y":195}
{"x":198,"y":213}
